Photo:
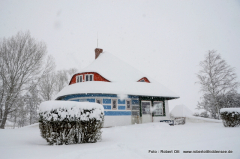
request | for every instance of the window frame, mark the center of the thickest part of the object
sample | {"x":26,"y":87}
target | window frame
{"x":130,"y":104}
{"x":116,"y":104}
{"x":101,"y":101}
{"x":162,"y":109}
{"x":78,"y":77}
{"x":149,"y":101}
{"x":89,"y":77}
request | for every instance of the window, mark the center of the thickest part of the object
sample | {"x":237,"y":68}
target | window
{"x":146,"y":107}
{"x":98,"y":100}
{"x":128,"y":103}
{"x":144,"y":79}
{"x":79,"y":78}
{"x":114,"y":103}
{"x":158,"y":105}
{"x":89,"y":77}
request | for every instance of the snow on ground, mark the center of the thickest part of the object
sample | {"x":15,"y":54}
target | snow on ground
{"x":195,"y":119}
{"x":133,"y":141}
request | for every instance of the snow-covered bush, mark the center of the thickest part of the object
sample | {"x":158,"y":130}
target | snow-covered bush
{"x":204,"y":114}
{"x":230,"y":117}
{"x":68,"y":122}
{"x":179,"y":121}
{"x":196,"y":114}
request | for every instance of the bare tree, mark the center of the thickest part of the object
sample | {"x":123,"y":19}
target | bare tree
{"x":32,"y":101}
{"x":19,"y":117}
{"x":61,"y":80}
{"x":26,"y":108}
{"x":71,"y":72}
{"x":216,"y":78}
{"x":52,"y":83}
{"x":63,"y":77}
{"x":47,"y":86}
{"x":21,"y":61}
{"x":230,"y":100}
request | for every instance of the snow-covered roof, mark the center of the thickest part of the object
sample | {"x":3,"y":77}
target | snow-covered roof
{"x":130,"y":88}
{"x":181,"y":111}
{"x":123,"y":79}
{"x":113,"y":69}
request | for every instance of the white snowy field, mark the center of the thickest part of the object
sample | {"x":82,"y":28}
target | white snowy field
{"x":125,"y":142}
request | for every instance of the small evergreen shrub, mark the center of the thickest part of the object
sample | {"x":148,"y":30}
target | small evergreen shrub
{"x":68,"y":122}
{"x":230,"y":117}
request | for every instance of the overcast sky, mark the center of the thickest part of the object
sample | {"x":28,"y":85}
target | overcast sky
{"x":165,"y":39}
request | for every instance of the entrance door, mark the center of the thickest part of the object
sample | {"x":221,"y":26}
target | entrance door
{"x":146,"y":113}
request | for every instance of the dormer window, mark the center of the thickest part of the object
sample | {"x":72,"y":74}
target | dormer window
{"x":89,"y":77}
{"x":79,"y":78}
{"x":144,"y":79}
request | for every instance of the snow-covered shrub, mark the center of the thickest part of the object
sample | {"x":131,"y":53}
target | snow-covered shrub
{"x":204,"y":114}
{"x":170,"y":122}
{"x":230,"y":117}
{"x":196,"y":114}
{"x":179,"y":121}
{"x":68,"y":122}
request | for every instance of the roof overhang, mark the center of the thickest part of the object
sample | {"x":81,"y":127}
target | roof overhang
{"x":120,"y":88}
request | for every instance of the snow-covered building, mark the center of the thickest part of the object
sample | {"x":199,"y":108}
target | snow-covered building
{"x":126,"y":94}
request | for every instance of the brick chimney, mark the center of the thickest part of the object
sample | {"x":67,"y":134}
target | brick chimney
{"x":98,"y":51}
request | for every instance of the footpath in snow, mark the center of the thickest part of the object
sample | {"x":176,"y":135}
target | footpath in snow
{"x":133,"y":141}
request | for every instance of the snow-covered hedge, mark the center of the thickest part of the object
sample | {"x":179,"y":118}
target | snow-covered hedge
{"x":230,"y":117}
{"x":68,"y":122}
